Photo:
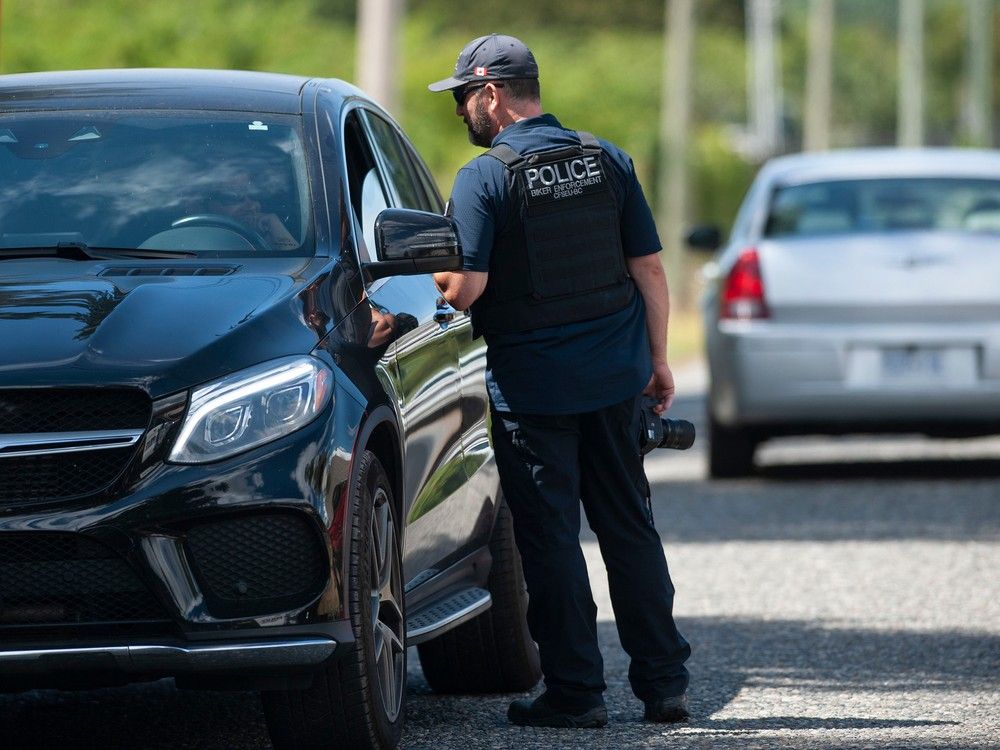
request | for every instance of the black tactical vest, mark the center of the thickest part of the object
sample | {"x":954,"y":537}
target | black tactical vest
{"x":560,"y":260}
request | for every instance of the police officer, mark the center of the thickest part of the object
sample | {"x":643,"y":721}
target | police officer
{"x":562,"y":277}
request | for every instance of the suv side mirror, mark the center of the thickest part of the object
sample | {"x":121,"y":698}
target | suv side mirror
{"x":414,"y":242}
{"x":707,"y":237}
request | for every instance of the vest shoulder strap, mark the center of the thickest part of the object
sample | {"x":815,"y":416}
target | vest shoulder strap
{"x":510,"y":157}
{"x":505,"y":154}
{"x":587,"y":140}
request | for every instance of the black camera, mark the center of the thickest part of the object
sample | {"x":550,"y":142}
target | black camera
{"x":657,"y":432}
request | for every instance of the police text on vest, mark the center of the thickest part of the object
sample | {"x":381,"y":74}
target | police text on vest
{"x":563,"y":178}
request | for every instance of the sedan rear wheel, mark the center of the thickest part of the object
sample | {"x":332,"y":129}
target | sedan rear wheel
{"x":357,"y":701}
{"x":730,"y":451}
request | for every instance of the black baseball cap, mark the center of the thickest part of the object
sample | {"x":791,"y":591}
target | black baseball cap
{"x":490,"y":58}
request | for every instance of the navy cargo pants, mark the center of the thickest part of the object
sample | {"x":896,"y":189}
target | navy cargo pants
{"x":547,"y":464}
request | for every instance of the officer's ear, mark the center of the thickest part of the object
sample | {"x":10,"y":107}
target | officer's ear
{"x":492,"y":89}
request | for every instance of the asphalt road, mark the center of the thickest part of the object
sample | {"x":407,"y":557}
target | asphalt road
{"x":847,"y":597}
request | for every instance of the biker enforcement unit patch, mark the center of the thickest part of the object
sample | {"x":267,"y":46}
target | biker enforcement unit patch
{"x":564,"y":178}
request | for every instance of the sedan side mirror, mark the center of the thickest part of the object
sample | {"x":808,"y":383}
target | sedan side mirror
{"x":707,"y":237}
{"x":414,"y":242}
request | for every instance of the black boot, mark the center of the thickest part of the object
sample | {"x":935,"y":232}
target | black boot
{"x":538,"y":713}
{"x":668,"y":710}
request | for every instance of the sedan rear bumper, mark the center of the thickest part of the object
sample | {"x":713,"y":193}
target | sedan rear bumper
{"x":769,"y":374}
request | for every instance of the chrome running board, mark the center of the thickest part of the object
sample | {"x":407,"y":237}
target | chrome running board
{"x":445,"y":613}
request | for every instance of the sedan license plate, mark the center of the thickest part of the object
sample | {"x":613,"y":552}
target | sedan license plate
{"x":906,"y":364}
{"x":945,"y":366}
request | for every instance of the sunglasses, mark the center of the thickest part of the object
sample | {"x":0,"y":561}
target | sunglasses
{"x":463,"y":92}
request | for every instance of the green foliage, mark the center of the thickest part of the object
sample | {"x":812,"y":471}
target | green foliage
{"x":474,"y":20}
{"x":720,"y":80}
{"x":945,"y":60}
{"x":236,"y":34}
{"x":864,"y":80}
{"x":723,"y":177}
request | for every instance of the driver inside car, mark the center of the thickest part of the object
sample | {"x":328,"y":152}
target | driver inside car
{"x":238,"y":201}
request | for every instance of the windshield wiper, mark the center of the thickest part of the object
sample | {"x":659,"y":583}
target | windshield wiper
{"x":68,"y":250}
{"x":82,"y":251}
{"x":137,"y":252}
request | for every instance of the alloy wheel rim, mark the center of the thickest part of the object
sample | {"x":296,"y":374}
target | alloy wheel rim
{"x":386,"y":607}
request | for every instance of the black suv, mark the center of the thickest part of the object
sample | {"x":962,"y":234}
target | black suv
{"x":243,"y":441}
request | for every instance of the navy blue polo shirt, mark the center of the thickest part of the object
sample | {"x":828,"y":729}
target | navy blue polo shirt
{"x":571,"y":368}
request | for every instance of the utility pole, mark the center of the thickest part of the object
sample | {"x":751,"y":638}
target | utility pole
{"x":910,"y":118}
{"x":819,"y":76}
{"x":675,"y":117}
{"x":979,"y":87}
{"x":764,"y":77}
{"x":377,"y":42}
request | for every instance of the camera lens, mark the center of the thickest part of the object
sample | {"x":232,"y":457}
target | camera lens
{"x":677,"y":434}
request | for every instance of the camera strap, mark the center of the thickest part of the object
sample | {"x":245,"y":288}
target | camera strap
{"x":648,"y":492}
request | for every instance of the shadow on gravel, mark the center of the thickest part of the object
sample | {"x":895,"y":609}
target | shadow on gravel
{"x":768,"y":668}
{"x":151,"y":716}
{"x":758,"y":672}
{"x":795,"y":656}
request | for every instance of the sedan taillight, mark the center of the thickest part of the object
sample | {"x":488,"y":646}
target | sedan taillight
{"x":743,"y":292}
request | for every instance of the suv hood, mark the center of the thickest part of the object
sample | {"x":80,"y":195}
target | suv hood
{"x":64,"y":324}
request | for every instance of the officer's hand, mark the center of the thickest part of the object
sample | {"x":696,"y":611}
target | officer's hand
{"x":661,"y":387}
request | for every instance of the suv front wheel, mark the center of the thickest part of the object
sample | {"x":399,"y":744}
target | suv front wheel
{"x":356,"y":702}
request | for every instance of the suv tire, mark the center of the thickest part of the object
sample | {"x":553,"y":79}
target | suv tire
{"x":357,"y":702}
{"x":494,"y":652}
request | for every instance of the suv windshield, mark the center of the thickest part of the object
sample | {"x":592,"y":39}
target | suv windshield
{"x":885,"y":205}
{"x":213,"y":184}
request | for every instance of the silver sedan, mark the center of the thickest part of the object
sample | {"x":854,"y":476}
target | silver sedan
{"x":859,"y":292}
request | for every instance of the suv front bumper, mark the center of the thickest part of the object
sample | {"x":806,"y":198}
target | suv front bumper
{"x":229,"y":659}
{"x":161,"y":659}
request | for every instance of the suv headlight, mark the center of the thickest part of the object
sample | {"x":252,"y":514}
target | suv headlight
{"x":252,"y":407}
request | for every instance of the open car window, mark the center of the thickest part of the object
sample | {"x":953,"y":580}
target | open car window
{"x":368,"y":196}
{"x":397,"y":165}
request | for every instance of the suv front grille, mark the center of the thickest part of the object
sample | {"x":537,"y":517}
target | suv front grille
{"x":59,"y":476}
{"x":63,"y":475}
{"x":67,"y":579}
{"x":72,"y":410}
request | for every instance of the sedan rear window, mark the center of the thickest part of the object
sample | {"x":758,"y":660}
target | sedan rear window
{"x":212,"y":184}
{"x":884,"y":205}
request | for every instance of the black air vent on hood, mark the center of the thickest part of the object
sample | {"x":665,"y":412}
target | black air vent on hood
{"x":151,"y":270}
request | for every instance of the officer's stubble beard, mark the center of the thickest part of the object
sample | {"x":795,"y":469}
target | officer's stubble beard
{"x":478,"y":123}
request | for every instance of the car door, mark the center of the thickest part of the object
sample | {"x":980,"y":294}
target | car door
{"x":469,"y":515}
{"x":426,"y":377}
{"x":483,"y":488}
